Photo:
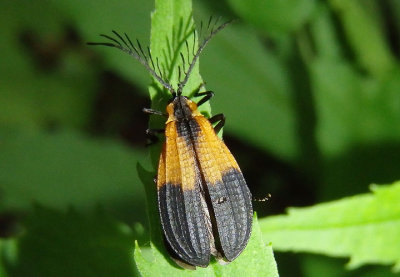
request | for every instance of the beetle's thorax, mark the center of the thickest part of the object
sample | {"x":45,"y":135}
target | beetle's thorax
{"x":182,"y":109}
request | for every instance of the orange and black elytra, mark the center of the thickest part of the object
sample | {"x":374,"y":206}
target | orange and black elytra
{"x":204,"y":203}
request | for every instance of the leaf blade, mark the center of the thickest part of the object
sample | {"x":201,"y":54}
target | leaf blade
{"x":369,"y":235}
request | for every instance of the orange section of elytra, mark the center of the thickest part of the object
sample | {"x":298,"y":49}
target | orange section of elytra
{"x":161,"y":169}
{"x":187,"y":161}
{"x":172,"y":167}
{"x":214,"y":157}
{"x":180,"y":158}
{"x":170,"y":112}
{"x":180,"y":165}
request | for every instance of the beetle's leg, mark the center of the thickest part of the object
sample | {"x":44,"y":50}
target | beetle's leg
{"x":151,"y":111}
{"x":152,"y":137}
{"x":207,"y":96}
{"x":218,"y":117}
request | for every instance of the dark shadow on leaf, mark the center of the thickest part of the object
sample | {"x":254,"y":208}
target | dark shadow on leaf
{"x":72,"y":244}
{"x":354,"y":171}
{"x":303,"y":104}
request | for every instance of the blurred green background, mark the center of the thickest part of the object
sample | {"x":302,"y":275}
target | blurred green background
{"x":310,"y":90}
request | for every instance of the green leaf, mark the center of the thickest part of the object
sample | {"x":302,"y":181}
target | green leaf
{"x":317,"y":265}
{"x":252,"y":88}
{"x":323,"y":32}
{"x":364,"y":227}
{"x":44,"y":81}
{"x":275,"y":16}
{"x":92,"y":18}
{"x":256,"y":260}
{"x":2,"y":249}
{"x":66,"y":169}
{"x":171,"y":25}
{"x":69,"y":243}
{"x":353,"y":108}
{"x":365,"y":35}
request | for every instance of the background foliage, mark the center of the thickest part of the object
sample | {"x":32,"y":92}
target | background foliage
{"x":310,"y":89}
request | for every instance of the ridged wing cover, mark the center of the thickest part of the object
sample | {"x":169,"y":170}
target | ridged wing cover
{"x":180,"y":199}
{"x":230,"y":197}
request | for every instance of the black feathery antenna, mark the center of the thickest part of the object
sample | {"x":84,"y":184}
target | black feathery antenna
{"x":201,"y":47}
{"x":138,"y":53}
{"x":147,"y":60}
